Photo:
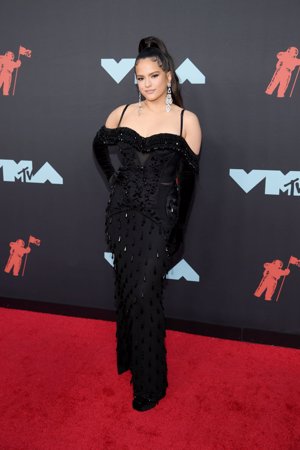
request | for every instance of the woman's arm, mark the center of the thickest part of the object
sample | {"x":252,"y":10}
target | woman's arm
{"x":187,"y":179}
{"x":100,"y":145}
{"x":192,"y":131}
{"x":113,"y":119}
{"x":100,"y":149}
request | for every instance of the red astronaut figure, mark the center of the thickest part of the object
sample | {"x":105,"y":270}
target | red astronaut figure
{"x":17,"y":251}
{"x":273,"y":271}
{"x":7,"y":66}
{"x":286,"y":63}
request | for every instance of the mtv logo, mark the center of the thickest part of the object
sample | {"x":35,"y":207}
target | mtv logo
{"x":276,"y":182}
{"x":23,"y":172}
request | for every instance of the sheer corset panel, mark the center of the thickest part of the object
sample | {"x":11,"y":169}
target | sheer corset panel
{"x":141,"y":158}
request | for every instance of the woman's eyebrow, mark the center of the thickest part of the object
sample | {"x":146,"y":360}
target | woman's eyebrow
{"x":157,"y":71}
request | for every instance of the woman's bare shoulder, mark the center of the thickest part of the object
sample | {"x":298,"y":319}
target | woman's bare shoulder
{"x":191,"y":117}
{"x":114,"y":117}
{"x":192,"y":130}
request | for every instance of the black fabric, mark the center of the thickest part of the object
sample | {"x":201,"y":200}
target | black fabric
{"x":101,"y":154}
{"x":186,"y":180}
{"x":142,"y":210}
{"x":181,"y":121}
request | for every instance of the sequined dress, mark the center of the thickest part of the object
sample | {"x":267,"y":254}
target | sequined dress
{"x":142,"y":210}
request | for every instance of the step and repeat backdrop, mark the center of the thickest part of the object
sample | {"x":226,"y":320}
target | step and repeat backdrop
{"x":65,"y":65}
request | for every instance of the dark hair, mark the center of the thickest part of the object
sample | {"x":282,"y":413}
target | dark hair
{"x":154,"y":48}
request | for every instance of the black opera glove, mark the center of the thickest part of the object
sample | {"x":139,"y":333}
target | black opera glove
{"x":175,"y":239}
{"x":102,"y":156}
{"x":186,"y":178}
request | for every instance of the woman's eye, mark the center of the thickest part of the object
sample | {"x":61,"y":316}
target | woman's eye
{"x":155,"y":75}
{"x":139,"y":79}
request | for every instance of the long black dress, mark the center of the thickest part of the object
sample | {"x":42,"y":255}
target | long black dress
{"x":147,"y":207}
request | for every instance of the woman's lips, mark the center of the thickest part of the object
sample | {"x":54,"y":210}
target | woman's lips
{"x":150,"y":91}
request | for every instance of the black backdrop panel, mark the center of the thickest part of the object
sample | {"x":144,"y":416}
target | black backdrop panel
{"x":239,"y":241}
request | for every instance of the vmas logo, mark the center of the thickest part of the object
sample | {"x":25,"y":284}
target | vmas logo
{"x":23,"y":172}
{"x":118,"y":70}
{"x":287,"y":62}
{"x":275,"y":181}
{"x":273,"y":278}
{"x":18,"y":250}
{"x":9,"y":67}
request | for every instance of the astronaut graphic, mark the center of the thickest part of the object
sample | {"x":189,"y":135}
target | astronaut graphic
{"x":272,"y":273}
{"x":17,"y":251}
{"x":7,"y":67}
{"x":287,"y":62}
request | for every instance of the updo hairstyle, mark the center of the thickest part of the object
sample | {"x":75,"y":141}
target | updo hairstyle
{"x":154,"y":48}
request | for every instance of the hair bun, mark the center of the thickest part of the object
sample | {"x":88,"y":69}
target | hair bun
{"x":152,"y":41}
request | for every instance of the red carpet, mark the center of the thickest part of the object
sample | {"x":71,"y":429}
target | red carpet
{"x":60,"y":391}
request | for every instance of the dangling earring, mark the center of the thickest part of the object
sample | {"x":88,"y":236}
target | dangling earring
{"x":140,"y":103}
{"x":169,"y":99}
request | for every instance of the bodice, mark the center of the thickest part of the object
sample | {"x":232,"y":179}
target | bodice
{"x":135,"y":149}
{"x":147,"y":177}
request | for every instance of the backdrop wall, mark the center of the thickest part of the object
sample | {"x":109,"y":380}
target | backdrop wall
{"x":237,"y":75}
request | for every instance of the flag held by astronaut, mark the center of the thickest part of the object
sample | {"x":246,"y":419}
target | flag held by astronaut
{"x":34,"y":240}
{"x":294,"y":260}
{"x":25,"y":51}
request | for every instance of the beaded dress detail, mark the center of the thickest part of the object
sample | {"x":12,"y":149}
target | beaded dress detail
{"x":142,"y":210}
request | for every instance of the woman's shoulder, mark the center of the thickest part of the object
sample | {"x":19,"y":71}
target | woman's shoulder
{"x":114,"y":117}
{"x":192,"y":131}
{"x":191,"y":117}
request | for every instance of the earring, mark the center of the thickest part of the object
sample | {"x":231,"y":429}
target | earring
{"x":140,"y":103}
{"x":169,"y":99}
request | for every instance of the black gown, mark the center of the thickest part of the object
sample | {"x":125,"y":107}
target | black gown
{"x":147,"y":208}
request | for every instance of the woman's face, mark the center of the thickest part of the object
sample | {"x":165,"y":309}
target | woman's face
{"x":151,"y":79}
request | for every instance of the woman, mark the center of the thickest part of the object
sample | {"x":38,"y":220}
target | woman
{"x":146,"y":212}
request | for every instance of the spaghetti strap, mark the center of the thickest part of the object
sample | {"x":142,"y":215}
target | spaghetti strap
{"x":122,"y":114}
{"x":181,"y":121}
